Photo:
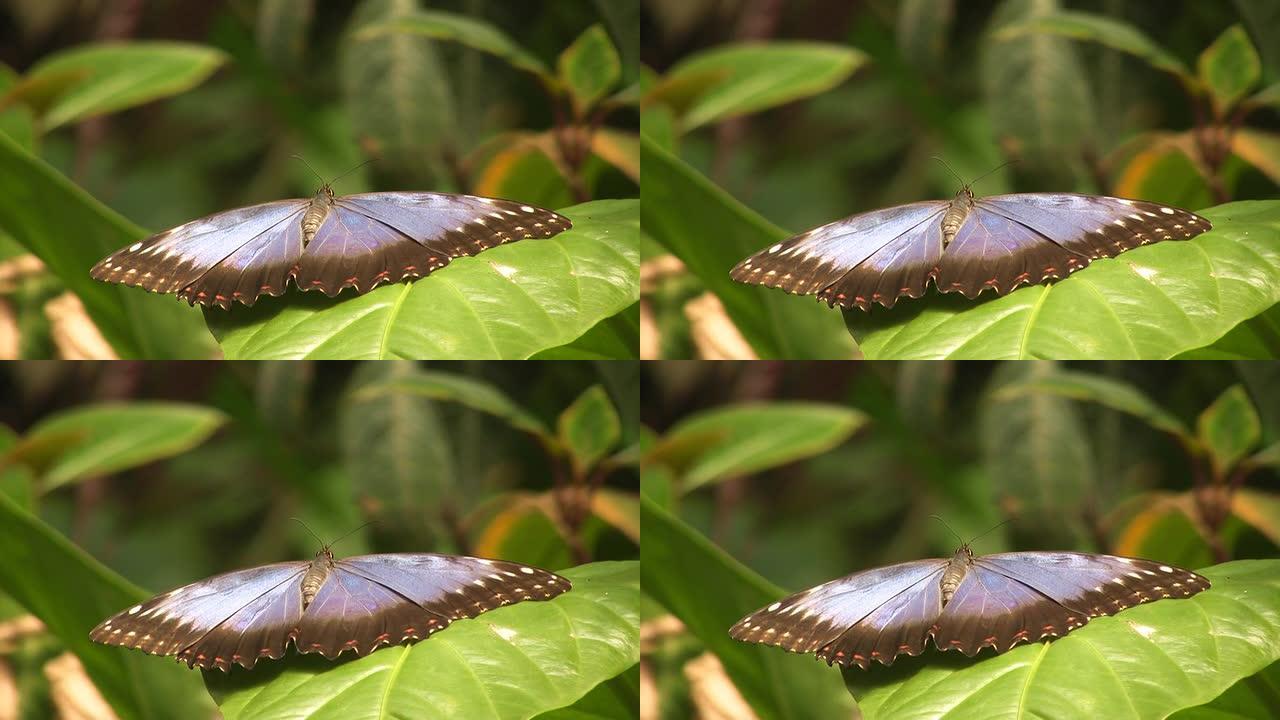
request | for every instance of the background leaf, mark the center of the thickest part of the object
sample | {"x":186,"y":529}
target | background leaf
{"x":589,"y":68}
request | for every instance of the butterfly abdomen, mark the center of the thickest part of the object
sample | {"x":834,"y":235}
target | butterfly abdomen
{"x":315,"y":577}
{"x":954,"y":218}
{"x":315,"y":215}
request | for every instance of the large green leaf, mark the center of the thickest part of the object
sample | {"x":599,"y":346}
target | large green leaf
{"x":612,"y":700}
{"x":114,"y":76}
{"x":108,"y":438}
{"x":507,"y":303}
{"x":71,"y":593}
{"x":710,"y":232}
{"x":1150,"y":303}
{"x":755,"y":76}
{"x":1146,"y":662}
{"x":473,"y":33}
{"x":710,"y":591}
{"x":514,"y":662}
{"x":741,"y":439}
{"x":70,"y":231}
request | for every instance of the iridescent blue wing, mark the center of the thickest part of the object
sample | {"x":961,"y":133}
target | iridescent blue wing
{"x":235,"y":618}
{"x":1012,"y":240}
{"x":372,"y":238}
{"x":229,"y":256}
{"x":375,"y":600}
{"x":874,"y":257}
{"x":875,"y":614}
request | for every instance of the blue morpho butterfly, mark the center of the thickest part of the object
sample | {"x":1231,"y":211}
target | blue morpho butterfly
{"x":965,"y":603}
{"x":325,"y":606}
{"x":326,"y":243}
{"x":965,"y":245}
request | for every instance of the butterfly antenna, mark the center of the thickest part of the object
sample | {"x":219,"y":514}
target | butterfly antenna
{"x":366,"y":162}
{"x":989,"y":530}
{"x":317,"y":537}
{"x":993,"y":170}
{"x":971,"y":183}
{"x":944,"y":522}
{"x":353,"y":532}
{"x":961,"y":181}
{"x":322,"y":182}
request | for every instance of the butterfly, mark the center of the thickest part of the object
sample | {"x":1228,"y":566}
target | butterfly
{"x":965,"y":603}
{"x":326,"y":243}
{"x":324,"y":606}
{"x":964,"y":246}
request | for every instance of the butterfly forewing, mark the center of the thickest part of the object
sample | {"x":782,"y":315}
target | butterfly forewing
{"x":900,"y":625}
{"x":249,"y":612}
{"x":1003,"y":242}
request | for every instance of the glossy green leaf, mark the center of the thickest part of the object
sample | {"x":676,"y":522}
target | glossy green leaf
{"x":750,"y":437}
{"x":115,"y":76}
{"x":509,"y":302}
{"x":612,"y":700}
{"x":710,"y":232}
{"x":1229,"y":68}
{"x":589,"y":428}
{"x":110,"y":437}
{"x":475,"y":394}
{"x":1146,"y":662}
{"x":71,"y":593}
{"x":468,"y":31}
{"x":1103,"y":390}
{"x":41,"y":209}
{"x":1229,"y":429}
{"x":1253,"y":697}
{"x":589,"y":68}
{"x":615,"y":338}
{"x":511,"y":663}
{"x":1150,"y":303}
{"x":709,"y":591}
{"x":1114,"y":34}
{"x":758,"y":76}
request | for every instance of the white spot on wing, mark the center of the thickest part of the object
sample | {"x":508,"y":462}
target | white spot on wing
{"x":135,"y":247}
{"x":1167,"y":211}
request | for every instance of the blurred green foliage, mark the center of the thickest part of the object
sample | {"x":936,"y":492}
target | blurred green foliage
{"x":171,"y":472}
{"x":1173,"y":461}
{"x":813,"y":110}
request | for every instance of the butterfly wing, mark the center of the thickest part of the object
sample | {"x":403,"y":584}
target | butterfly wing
{"x":373,"y":600}
{"x":875,"y":614}
{"x":385,"y":237}
{"x":873,"y":257}
{"x":1009,"y":598}
{"x":232,"y":618}
{"x":228,"y":256}
{"x":1011,"y":240}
